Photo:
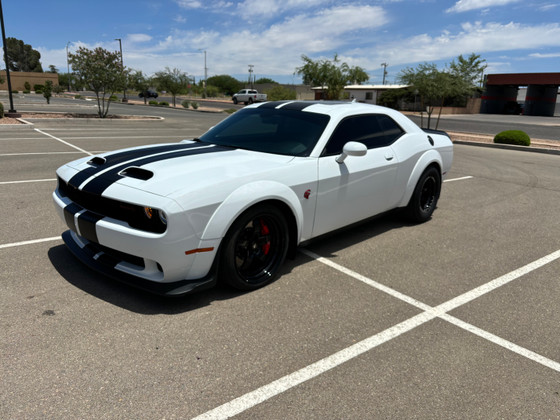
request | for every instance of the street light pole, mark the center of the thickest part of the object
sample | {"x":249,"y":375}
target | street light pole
{"x":122,"y":65}
{"x":68,"y":66}
{"x":251,"y":75}
{"x":205,"y":72}
{"x":6,"y":61}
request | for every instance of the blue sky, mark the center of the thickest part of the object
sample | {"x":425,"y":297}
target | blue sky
{"x":513,"y":36}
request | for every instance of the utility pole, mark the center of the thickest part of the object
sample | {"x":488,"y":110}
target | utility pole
{"x":68,"y":66}
{"x":6,"y":60}
{"x":122,"y":65}
{"x":251,"y":75}
{"x":205,"y":72}
{"x":384,"y":65}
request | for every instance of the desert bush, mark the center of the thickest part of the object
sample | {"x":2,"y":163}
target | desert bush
{"x":194,"y":105}
{"x":185,"y":104}
{"x":163,"y":103}
{"x":38,"y":88}
{"x":1,"y":110}
{"x":516,"y":137}
{"x":152,"y":102}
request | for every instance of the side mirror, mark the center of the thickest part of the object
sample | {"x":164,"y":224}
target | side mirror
{"x":352,"y":148}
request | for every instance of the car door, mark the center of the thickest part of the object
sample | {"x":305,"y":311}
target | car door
{"x":360,"y":186}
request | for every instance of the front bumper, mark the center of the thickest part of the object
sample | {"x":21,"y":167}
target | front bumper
{"x":105,"y":262}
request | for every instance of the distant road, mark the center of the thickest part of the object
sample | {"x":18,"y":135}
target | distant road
{"x":537,"y":127}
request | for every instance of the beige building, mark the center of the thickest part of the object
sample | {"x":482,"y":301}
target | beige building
{"x":18,"y":79}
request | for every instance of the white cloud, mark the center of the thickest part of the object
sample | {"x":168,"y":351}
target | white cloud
{"x":190,"y":4}
{"x":539,"y":55}
{"x":138,"y":38}
{"x":255,"y":9}
{"x":467,"y":5}
{"x":474,"y":37}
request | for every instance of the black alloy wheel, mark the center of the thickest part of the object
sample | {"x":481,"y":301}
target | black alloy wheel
{"x":254,"y":248}
{"x":425,"y":197}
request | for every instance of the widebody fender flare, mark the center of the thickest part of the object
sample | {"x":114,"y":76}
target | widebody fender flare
{"x":248,"y":196}
{"x":429,"y":157}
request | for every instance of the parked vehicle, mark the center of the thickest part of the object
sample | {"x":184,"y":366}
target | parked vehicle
{"x":148,"y":93}
{"x":232,"y":204}
{"x":248,"y":96}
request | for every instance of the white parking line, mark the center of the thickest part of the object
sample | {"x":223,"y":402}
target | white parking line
{"x":65,"y":142}
{"x":287,"y":382}
{"x":27,"y":181}
{"x":458,"y":179}
{"x":34,"y":241}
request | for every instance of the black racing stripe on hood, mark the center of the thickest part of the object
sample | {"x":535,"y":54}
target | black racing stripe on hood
{"x":124,"y":156}
{"x":103,"y":181}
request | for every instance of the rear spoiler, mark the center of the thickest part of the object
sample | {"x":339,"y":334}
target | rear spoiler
{"x":441,"y":132}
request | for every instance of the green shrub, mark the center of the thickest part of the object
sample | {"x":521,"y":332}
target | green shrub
{"x":516,"y":137}
{"x":15,"y":91}
{"x":58,"y":89}
{"x":27,"y":86}
{"x":194,"y":105}
{"x":38,"y":88}
{"x":152,"y":102}
{"x":77,"y":96}
{"x":185,"y":104}
{"x":163,"y":103}
{"x":113,"y":98}
{"x":230,"y":110}
{"x":1,"y":110}
{"x":26,"y":91}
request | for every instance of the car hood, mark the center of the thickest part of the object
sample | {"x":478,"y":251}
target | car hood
{"x":167,"y":169}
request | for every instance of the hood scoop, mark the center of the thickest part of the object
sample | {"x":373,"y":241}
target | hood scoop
{"x":97,"y":161}
{"x":136,"y":172}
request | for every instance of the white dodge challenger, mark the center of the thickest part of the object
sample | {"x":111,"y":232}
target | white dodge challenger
{"x":232,"y":204}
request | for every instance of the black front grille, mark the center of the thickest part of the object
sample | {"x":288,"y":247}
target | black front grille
{"x":132,"y":214}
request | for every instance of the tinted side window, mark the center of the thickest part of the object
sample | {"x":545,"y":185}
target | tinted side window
{"x":371,"y":130}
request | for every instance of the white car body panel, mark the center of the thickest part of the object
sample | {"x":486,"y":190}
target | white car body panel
{"x":201,"y":189}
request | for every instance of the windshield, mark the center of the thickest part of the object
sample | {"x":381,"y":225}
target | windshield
{"x":269,"y":130}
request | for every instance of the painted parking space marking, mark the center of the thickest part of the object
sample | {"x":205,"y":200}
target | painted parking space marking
{"x":31,"y":242}
{"x":458,"y":179}
{"x":64,"y":142}
{"x":253,"y":398}
{"x":26,"y":181}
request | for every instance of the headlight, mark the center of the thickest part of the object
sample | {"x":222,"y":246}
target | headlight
{"x":162,"y":217}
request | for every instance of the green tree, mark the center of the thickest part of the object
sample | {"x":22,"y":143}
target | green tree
{"x":428,"y":81}
{"x":226,"y":84}
{"x":280,"y":93}
{"x":47,"y":91}
{"x":265,"y":80}
{"x":331,"y":75}
{"x":22,"y":57}
{"x":53,"y":69}
{"x":469,"y":70}
{"x":172,"y":81}
{"x":101,"y":71}
{"x":139,"y":82}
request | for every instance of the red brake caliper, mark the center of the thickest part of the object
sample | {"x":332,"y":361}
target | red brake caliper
{"x":265,"y":231}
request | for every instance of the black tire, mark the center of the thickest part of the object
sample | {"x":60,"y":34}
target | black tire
{"x":254,"y":248}
{"x":250,"y":101}
{"x":235,"y":101}
{"x":425,"y":197}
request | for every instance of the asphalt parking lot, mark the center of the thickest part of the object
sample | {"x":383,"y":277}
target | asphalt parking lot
{"x":454,"y":318}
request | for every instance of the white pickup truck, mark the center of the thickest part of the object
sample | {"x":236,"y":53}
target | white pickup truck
{"x":248,"y":96}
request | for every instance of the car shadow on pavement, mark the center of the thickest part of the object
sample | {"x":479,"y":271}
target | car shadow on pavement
{"x":330,"y":244}
{"x":127,"y":297}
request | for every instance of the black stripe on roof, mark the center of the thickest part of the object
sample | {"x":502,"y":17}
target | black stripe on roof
{"x":103,"y":181}
{"x":273,"y":104}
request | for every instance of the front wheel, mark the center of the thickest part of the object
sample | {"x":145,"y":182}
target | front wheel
{"x":254,"y":248}
{"x":425,"y":197}
{"x":235,"y":101}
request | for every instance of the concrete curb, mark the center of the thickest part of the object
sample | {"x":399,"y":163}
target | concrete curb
{"x":531,"y":149}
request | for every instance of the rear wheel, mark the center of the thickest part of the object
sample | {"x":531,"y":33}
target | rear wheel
{"x":254,"y":248}
{"x":425,"y":197}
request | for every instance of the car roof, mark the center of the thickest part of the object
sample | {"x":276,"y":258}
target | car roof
{"x":339,"y":110}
